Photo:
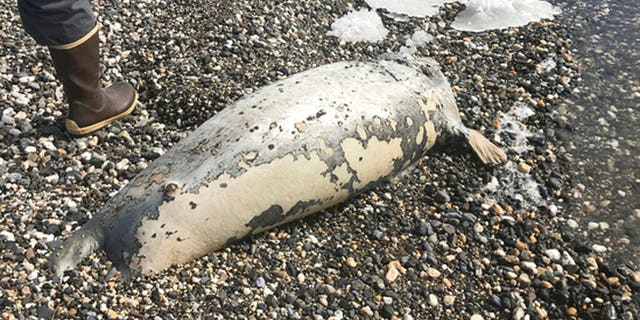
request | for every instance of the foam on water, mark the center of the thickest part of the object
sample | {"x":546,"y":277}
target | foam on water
{"x":362,"y":25}
{"x":511,"y":181}
{"x":481,"y":15}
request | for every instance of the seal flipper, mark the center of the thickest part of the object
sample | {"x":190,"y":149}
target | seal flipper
{"x":81,"y":244}
{"x":488,"y":152}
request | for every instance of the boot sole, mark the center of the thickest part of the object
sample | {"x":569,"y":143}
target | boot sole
{"x":76,"y":130}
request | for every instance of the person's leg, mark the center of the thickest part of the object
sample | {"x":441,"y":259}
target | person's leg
{"x":69,"y":29}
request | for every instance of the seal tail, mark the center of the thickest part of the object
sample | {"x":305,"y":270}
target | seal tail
{"x":75,"y":248}
{"x":488,"y":152}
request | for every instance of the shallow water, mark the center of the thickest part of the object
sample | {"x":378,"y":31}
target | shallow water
{"x":604,"y":123}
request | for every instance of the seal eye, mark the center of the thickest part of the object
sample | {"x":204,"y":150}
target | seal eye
{"x":171,"y":190}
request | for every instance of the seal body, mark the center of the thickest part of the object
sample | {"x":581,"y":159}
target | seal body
{"x":287,"y":150}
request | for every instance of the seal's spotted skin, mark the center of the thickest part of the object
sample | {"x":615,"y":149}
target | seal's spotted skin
{"x":290,"y":149}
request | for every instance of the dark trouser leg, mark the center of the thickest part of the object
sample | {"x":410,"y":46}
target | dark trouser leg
{"x":56,"y":23}
{"x":69,"y":28}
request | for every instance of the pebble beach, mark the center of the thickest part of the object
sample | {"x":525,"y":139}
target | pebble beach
{"x":450,"y":239}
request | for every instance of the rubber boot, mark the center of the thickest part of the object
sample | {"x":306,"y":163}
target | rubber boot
{"x":90,"y":106}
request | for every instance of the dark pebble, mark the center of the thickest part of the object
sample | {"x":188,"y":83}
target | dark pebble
{"x":442,"y":197}
{"x":386,"y":311}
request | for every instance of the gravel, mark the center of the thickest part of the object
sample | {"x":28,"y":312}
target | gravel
{"x":451,"y":239}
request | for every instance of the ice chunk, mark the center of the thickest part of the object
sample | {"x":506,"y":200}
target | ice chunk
{"x":483,"y":15}
{"x":363,"y":25}
{"x":412,"y":8}
{"x":419,"y":39}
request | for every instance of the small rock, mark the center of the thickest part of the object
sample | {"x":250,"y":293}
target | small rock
{"x":366,"y":311}
{"x":476,"y":317}
{"x":518,"y":314}
{"x":387,"y":311}
{"x":45,"y":312}
{"x":392,"y":274}
{"x":529,"y":266}
{"x":52,"y":179}
{"x":432,"y":300}
{"x":524,"y":278}
{"x":553,"y":254}
{"x":567,"y":259}
{"x":572,"y":312}
{"x":589,"y":283}
{"x":498,"y":209}
{"x":449,"y":300}
{"x":122,"y":164}
{"x":524,"y":167}
{"x":442,"y":197}
{"x":20,"y":116}
{"x":112,"y":314}
{"x":599,"y":248}
{"x":433,"y":273}
{"x":394,"y":269}
{"x":572,"y":224}
{"x":351,"y":262}
{"x":260,"y":283}
{"x":8,"y":236}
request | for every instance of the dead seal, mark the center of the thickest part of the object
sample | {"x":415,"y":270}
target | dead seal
{"x":287,"y":150}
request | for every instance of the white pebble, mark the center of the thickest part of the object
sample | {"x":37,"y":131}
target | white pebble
{"x":313,"y":239}
{"x":553,"y":254}
{"x":567,"y":259}
{"x":86,"y":156}
{"x":449,"y":300}
{"x":122,"y":164}
{"x":20,"y":116}
{"x":572,"y":224}
{"x":71,"y":204}
{"x":48,"y":145}
{"x":433,"y":300}
{"x":33,"y":275}
{"x":53,"y":179}
{"x":599,"y":248}
{"x":518,"y":314}
{"x":529,"y":266}
{"x":8,"y":236}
